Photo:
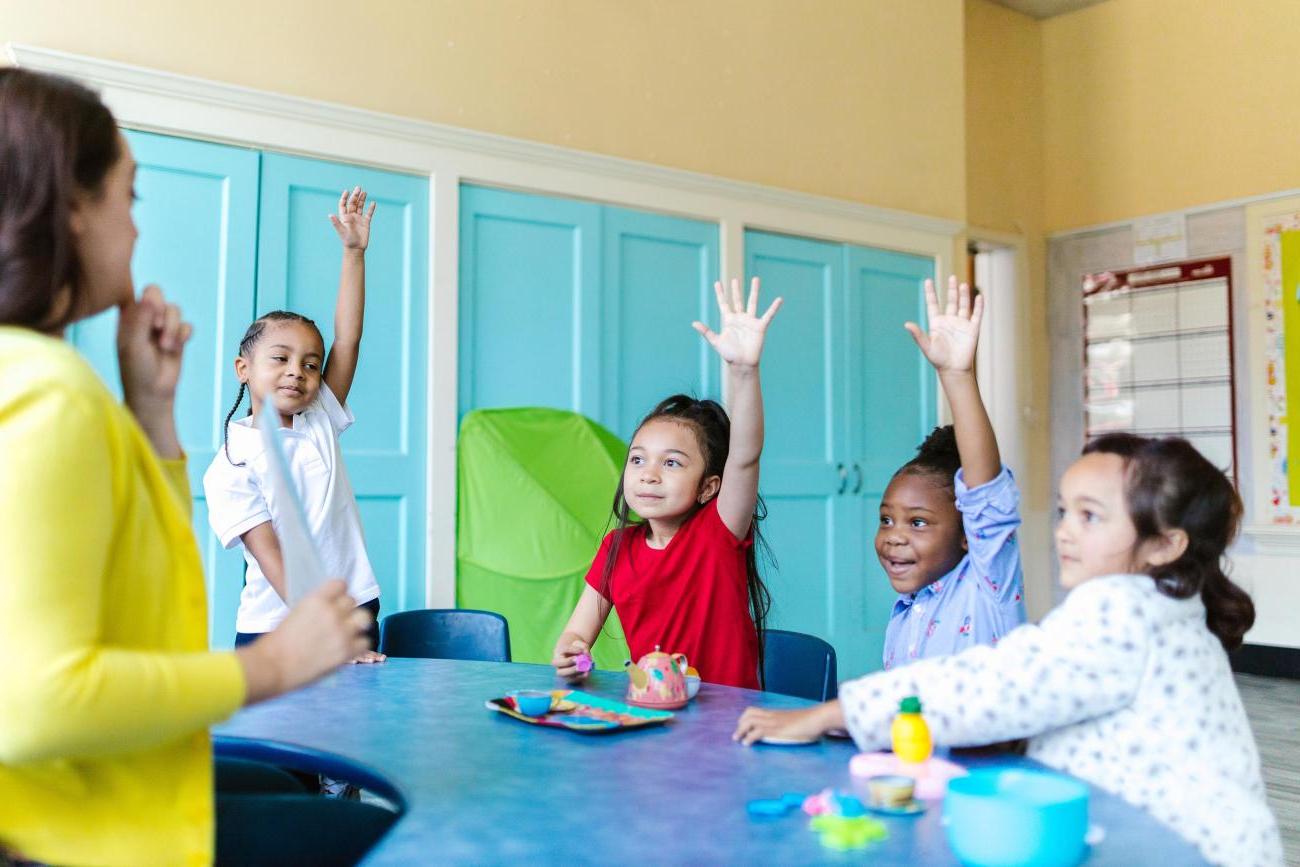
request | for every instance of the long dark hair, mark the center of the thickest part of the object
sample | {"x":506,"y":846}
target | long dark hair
{"x":1169,"y":485}
{"x":57,"y":141}
{"x":712,"y":428}
{"x":250,"y":338}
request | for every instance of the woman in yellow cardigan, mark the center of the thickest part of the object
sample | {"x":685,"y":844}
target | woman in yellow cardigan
{"x":107,"y":687}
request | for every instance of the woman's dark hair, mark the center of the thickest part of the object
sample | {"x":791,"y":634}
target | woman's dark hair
{"x":1169,"y":485}
{"x":712,"y":428}
{"x":937,"y":457}
{"x":57,"y":141}
{"x":251,"y":336}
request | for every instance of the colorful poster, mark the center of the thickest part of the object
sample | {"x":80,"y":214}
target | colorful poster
{"x":1281,"y":265}
{"x":1289,"y":302}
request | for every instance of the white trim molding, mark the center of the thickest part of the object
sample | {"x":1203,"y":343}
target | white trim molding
{"x":1278,"y":540}
{"x":181,"y":105}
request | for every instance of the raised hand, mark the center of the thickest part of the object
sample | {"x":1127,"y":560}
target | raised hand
{"x":740,"y":341}
{"x":353,"y":219}
{"x":954,"y":334}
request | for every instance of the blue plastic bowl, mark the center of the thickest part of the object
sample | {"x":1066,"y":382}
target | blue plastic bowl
{"x":1016,"y":817}
{"x":532,"y":702}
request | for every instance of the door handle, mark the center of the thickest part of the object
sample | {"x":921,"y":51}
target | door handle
{"x":857,"y":479}
{"x":844,"y":478}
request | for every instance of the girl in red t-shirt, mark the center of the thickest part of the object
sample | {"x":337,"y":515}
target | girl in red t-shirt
{"x":684,"y":576}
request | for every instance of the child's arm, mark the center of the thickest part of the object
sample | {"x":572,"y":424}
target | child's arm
{"x":580,"y":633}
{"x":950,"y":347}
{"x":740,"y":344}
{"x":264,"y":545}
{"x":353,"y":226}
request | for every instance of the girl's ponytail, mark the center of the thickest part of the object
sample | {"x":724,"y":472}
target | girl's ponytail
{"x":1170,"y":485}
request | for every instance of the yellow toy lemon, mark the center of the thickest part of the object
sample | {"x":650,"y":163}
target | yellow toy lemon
{"x":909,"y":732}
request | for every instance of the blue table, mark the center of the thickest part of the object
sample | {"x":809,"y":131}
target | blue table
{"x":483,"y":788}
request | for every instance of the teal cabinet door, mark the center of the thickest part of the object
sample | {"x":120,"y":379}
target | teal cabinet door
{"x":298,"y":269}
{"x":892,"y":402}
{"x":658,"y":277}
{"x":197,"y":216}
{"x":580,"y":306}
{"x":816,"y":576}
{"x":529,"y":301}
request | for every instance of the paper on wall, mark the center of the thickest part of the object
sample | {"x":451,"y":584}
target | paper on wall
{"x":303,"y":571}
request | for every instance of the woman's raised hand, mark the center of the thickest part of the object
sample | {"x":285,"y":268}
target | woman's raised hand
{"x":740,"y":342}
{"x":954,"y":334}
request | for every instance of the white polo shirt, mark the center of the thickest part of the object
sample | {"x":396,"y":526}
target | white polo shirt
{"x":238,"y":501}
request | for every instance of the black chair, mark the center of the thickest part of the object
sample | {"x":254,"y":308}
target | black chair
{"x":799,"y":665}
{"x":446,"y":633}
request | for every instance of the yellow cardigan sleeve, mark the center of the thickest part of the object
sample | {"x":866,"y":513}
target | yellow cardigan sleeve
{"x":64,"y":694}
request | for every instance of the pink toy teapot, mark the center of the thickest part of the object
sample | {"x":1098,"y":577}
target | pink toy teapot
{"x":658,"y":680}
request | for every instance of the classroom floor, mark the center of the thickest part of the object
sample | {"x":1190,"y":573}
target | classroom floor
{"x":1271,"y":703}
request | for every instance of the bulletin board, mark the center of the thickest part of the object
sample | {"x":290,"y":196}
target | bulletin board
{"x":1158,"y":354}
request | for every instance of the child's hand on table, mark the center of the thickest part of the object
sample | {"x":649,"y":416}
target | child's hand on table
{"x":566,"y":660}
{"x":808,"y":723}
{"x":370,"y":656}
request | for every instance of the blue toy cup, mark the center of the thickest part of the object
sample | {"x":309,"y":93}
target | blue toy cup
{"x":1016,"y":817}
{"x":532,"y":702}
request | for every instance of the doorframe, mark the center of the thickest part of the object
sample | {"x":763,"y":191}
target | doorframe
{"x":190,"y":107}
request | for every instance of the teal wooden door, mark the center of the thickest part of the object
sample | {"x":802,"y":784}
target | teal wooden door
{"x":298,"y":269}
{"x":529,"y":302}
{"x":848,"y":398}
{"x":581,"y":306}
{"x":658,"y":277}
{"x":891,"y":402}
{"x":197,"y":216}
{"x":816,"y":576}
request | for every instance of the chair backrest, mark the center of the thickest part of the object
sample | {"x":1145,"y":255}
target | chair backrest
{"x":799,"y":665}
{"x":446,"y":633}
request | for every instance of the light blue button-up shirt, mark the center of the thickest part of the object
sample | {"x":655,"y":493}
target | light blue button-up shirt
{"x":982,"y":598}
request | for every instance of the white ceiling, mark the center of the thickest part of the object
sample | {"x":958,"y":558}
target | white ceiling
{"x":1046,"y":8}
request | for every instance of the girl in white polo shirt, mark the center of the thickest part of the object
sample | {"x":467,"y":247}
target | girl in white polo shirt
{"x":282,"y":359}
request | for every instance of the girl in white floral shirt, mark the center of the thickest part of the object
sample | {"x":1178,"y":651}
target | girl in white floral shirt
{"x":1126,"y":684}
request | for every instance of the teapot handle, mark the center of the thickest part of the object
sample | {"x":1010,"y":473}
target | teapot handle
{"x":680,"y":659}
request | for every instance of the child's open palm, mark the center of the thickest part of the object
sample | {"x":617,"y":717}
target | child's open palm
{"x":954,"y":334}
{"x":740,"y":341}
{"x":353,"y":220}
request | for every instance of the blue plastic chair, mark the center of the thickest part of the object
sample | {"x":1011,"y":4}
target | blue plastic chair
{"x":446,"y":633}
{"x":799,"y":665}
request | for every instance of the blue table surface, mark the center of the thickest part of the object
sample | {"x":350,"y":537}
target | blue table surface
{"x":481,"y":787}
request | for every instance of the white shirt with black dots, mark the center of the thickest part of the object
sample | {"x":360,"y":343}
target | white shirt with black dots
{"x":1119,"y":685}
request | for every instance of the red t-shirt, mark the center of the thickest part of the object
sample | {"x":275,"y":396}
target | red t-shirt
{"x":689,"y":597}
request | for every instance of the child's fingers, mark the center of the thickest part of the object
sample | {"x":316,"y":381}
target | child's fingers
{"x":343,"y":202}
{"x":963,"y":301}
{"x":724,"y":306}
{"x":931,"y":301}
{"x":705,"y":332}
{"x":353,"y":204}
{"x":977,"y":312}
{"x":951,"y":306}
{"x":336,"y":223}
{"x":922,"y":341}
{"x":370,"y":213}
{"x":771,"y":311}
{"x":752,"y":307}
{"x":359,"y":199}
{"x":737,"y":300}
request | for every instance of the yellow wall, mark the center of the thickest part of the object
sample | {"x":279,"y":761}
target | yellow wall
{"x":858,"y":100}
{"x":1154,"y":105}
{"x":1004,"y":193}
